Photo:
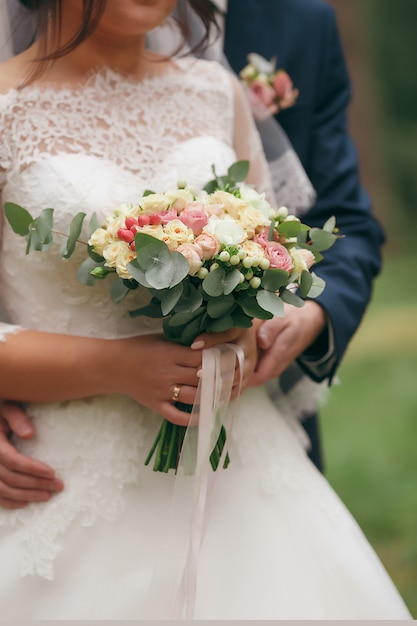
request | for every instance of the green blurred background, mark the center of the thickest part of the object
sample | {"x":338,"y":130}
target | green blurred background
{"x":369,"y":421}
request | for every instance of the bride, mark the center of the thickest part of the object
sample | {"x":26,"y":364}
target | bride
{"x":89,"y":120}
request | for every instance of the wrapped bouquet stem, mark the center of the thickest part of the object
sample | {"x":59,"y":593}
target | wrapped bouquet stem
{"x":210,"y":261}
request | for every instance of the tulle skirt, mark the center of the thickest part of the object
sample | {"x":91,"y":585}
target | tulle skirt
{"x":276,"y":541}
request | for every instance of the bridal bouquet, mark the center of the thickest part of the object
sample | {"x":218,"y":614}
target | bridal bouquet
{"x":269,"y":90}
{"x":210,"y":261}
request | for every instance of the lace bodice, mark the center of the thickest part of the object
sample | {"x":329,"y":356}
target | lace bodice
{"x":94,"y":147}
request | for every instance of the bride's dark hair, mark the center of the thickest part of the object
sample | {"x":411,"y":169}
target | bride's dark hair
{"x":52,"y":47}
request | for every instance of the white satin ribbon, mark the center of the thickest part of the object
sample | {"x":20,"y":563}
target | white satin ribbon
{"x":173,"y":588}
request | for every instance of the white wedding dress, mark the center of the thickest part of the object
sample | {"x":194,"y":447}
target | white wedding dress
{"x":279,"y":544}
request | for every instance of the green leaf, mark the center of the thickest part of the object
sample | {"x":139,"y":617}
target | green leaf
{"x":220,"y":325}
{"x":93,"y":255}
{"x":270,"y":302}
{"x":94,"y":223}
{"x":251,"y":307}
{"x":75,"y":230}
{"x":289,"y":229}
{"x":170,"y":297}
{"x":153,"y":309}
{"x":213,"y":282}
{"x":317,"y":286}
{"x":274,"y":279}
{"x":241,"y":320}
{"x":218,"y":307}
{"x":190,"y":332}
{"x":306,"y":281}
{"x":211,"y":186}
{"x":40,"y":231}
{"x":191,"y":298}
{"x":322,"y":239}
{"x":118,"y":290}
{"x":182,"y":319}
{"x":220,"y":282}
{"x":291,"y":298}
{"x":330,"y":224}
{"x":84,"y":271}
{"x":18,"y":218}
{"x":137,"y":273}
{"x":238,"y":171}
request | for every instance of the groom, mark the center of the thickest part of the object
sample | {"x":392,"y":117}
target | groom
{"x":303,"y":35}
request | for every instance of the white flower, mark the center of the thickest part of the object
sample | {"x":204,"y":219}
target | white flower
{"x":256,"y":200}
{"x":155,"y":203}
{"x":227,"y":231}
{"x":176,"y":233}
{"x":179,"y":198}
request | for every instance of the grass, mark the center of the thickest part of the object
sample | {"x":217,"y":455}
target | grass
{"x":369,"y":426}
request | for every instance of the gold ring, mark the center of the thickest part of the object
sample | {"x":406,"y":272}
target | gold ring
{"x":175,"y":393}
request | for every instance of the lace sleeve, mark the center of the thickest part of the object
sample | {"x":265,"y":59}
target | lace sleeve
{"x":248,"y":144}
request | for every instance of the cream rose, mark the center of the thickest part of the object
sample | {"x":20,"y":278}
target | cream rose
{"x":99,"y":239}
{"x":118,"y":254}
{"x":176,"y":233}
{"x":155,"y":203}
{"x":227,"y":231}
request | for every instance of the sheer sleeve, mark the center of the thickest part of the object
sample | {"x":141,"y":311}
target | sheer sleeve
{"x":248,"y":144}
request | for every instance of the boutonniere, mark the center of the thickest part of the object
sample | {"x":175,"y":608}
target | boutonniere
{"x":269,"y":90}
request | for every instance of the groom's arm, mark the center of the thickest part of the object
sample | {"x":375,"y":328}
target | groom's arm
{"x":351,"y":265}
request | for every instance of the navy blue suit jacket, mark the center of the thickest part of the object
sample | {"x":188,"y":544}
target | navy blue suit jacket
{"x":303,"y":35}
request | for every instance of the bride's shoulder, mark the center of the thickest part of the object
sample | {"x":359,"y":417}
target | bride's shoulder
{"x":12,"y":74}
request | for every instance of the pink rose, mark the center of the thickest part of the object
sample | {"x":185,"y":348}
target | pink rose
{"x":193,"y":255}
{"x":262,"y":238}
{"x":278,"y":256}
{"x":167,"y":216}
{"x":263,"y":92}
{"x":208,"y":244}
{"x":194,"y":217}
{"x":260,"y":110}
{"x":284,"y":90}
{"x":308,"y":257}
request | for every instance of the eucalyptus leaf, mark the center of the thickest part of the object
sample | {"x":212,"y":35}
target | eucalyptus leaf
{"x":317,"y":286}
{"x":94,"y":223}
{"x":330,"y":224}
{"x":238,"y":171}
{"x":75,"y":230}
{"x":221,"y":324}
{"x":137,"y":273}
{"x":190,"y":332}
{"x":191,"y":298}
{"x":170,"y":297}
{"x":218,"y":307}
{"x":213,"y":282}
{"x":322,"y":239}
{"x":306,"y":281}
{"x":18,"y":218}
{"x":291,"y":228}
{"x":42,"y":226}
{"x":84,"y":271}
{"x":251,"y":307}
{"x":181,"y":319}
{"x":241,"y":320}
{"x":118,"y":290}
{"x":153,"y":310}
{"x":291,"y":298}
{"x":231,"y":281}
{"x":274,"y":279}
{"x":94,"y":256}
{"x":270,"y":302}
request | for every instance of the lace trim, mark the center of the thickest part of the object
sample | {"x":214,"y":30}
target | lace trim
{"x":117,"y":118}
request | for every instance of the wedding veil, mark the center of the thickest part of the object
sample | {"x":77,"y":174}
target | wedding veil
{"x":16,"y":28}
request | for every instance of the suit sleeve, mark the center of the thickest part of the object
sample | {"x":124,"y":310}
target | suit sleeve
{"x":353,"y":262}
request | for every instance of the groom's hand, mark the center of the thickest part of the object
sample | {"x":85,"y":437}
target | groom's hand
{"x":22,"y":479}
{"x":282,"y":340}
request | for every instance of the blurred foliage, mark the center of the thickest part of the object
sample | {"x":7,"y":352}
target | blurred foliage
{"x":391,"y":28}
{"x":369,"y":426}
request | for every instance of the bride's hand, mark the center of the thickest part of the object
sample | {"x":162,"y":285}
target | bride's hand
{"x":150,"y":368}
{"x":246,"y":338}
